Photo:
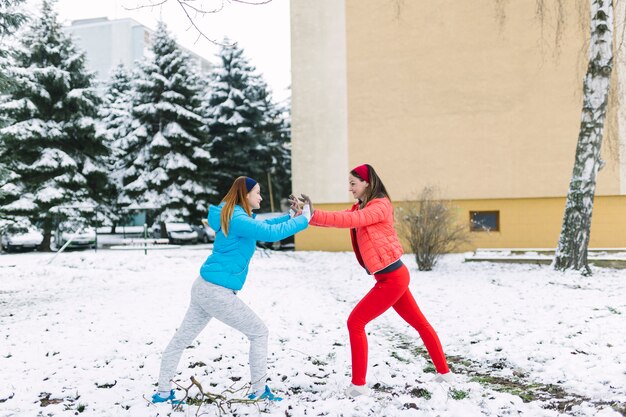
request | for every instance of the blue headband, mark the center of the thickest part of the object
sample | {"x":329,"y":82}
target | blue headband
{"x":250,"y":183}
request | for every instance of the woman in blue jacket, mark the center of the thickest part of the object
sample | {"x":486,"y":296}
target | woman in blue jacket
{"x":214,"y":293}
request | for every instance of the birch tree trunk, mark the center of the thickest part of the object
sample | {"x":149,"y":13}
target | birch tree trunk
{"x":571,"y":252}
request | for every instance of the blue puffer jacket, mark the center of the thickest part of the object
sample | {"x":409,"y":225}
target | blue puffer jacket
{"x":228,"y":264}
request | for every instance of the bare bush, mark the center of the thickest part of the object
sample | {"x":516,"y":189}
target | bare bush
{"x":429,"y":226}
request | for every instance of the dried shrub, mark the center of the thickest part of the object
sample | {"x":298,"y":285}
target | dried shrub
{"x":429,"y":226}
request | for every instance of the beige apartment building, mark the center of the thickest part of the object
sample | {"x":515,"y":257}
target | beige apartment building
{"x":469,"y":96}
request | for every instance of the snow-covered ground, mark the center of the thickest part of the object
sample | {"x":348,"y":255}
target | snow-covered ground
{"x":88,"y":331}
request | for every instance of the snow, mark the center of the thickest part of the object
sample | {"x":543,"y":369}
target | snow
{"x":234,"y":120}
{"x":53,"y":159}
{"x":158,"y":175}
{"x":90,"y":167}
{"x":160,"y":141}
{"x":173,"y":192}
{"x":49,"y":193}
{"x":9,"y":188}
{"x":33,"y":127}
{"x":178,"y":110}
{"x":229,"y":104}
{"x":23,"y":103}
{"x":86,"y":122}
{"x":173,"y":129}
{"x":137,"y":185}
{"x":173,"y":95}
{"x":78,"y":93}
{"x":175,"y":161}
{"x":199,"y":153}
{"x":51,"y":72}
{"x":90,"y":320}
{"x":25,"y":203}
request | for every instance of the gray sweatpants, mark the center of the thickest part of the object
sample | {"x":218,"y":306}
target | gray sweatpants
{"x":208,"y":301}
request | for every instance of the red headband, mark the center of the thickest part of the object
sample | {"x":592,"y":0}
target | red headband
{"x":363,"y":172}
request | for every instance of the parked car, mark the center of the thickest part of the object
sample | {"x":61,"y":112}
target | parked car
{"x":79,"y":236}
{"x":287,"y":243}
{"x":175,"y":232}
{"x":205,"y":233}
{"x":17,"y":237}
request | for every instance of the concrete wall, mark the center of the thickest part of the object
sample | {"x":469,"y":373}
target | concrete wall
{"x":319,"y":107}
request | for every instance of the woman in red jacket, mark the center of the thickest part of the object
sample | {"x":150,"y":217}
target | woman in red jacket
{"x":378,"y":250}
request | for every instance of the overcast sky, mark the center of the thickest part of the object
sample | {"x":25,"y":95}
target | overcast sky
{"x":261,"y":30}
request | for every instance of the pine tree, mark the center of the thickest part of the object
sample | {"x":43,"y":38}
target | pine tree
{"x":10,"y":20}
{"x":52,"y":145}
{"x":247,"y":134}
{"x":169,"y":165}
{"x":118,"y":123}
{"x":278,"y":134}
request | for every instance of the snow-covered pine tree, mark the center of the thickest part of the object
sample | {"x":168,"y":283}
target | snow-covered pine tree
{"x":244,"y":125}
{"x":11,"y":18}
{"x":52,"y":144}
{"x":278,"y":134}
{"x":118,"y":123}
{"x":168,"y":162}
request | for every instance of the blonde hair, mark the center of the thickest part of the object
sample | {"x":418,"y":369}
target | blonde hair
{"x":237,"y":195}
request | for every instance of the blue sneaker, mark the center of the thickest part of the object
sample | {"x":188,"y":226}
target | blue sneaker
{"x":156,"y":398}
{"x":265,"y":395}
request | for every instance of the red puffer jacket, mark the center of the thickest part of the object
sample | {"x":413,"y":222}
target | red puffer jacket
{"x":375,"y":239}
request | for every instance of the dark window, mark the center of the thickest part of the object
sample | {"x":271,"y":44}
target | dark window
{"x":484,"y":221}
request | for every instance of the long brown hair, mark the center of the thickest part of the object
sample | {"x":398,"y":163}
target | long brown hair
{"x":375,"y":187}
{"x":235,"y":196}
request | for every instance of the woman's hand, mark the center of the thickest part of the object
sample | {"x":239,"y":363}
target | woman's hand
{"x":307,"y":200}
{"x":294,"y":208}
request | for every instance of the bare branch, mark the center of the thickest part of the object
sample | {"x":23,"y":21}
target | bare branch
{"x":560,"y":24}
{"x":201,"y":10}
{"x":190,"y":7}
{"x":145,"y":6}
{"x":620,"y":27}
{"x":430,"y":227}
{"x":223,"y":402}
{"x":252,"y":3}
{"x":398,"y":5}
{"x":193,"y":24}
{"x":501,"y":13}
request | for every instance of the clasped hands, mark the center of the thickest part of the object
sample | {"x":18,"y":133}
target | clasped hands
{"x":300,"y":206}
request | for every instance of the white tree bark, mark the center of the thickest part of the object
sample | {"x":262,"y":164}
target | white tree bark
{"x":571,"y":252}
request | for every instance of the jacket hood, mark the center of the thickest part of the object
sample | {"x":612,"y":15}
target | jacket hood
{"x":215,"y":214}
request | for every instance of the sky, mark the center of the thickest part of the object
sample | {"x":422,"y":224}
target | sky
{"x":261,"y":30}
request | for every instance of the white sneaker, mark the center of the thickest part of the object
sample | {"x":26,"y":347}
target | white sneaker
{"x":357,"y":390}
{"x":448,"y":378}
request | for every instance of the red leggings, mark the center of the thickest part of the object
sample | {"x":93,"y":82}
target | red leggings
{"x":391,"y":290}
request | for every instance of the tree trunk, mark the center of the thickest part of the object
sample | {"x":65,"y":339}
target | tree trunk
{"x":47,"y":238}
{"x":571,"y":252}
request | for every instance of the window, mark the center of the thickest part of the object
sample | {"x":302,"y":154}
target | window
{"x":484,"y":221}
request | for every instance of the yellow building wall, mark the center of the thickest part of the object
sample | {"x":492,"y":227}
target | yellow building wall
{"x":469,"y":96}
{"x":524,"y":223}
